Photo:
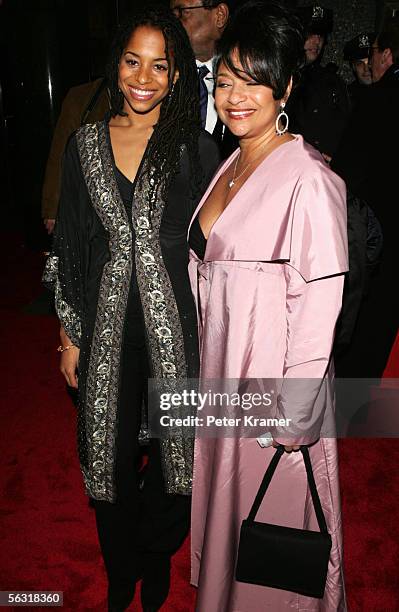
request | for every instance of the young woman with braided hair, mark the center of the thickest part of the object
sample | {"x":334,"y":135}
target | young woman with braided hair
{"x":119,"y":268}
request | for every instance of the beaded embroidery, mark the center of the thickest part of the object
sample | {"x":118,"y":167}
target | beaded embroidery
{"x":103,"y":370}
{"x":66,"y":314}
{"x":162,"y":323}
{"x":160,"y":313}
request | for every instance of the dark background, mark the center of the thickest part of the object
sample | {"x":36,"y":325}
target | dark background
{"x":48,"y":46}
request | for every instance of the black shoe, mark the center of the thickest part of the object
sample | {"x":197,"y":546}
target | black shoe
{"x":156,"y":581}
{"x":121,"y":595}
{"x":120,"y":598}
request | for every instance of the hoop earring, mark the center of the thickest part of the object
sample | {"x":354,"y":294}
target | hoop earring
{"x":282,"y":115}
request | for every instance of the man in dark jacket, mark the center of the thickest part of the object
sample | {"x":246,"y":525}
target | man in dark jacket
{"x":356,"y":52}
{"x":318,"y":108}
{"x":204,"y":22}
{"x":367,"y":161}
{"x":83,"y":104}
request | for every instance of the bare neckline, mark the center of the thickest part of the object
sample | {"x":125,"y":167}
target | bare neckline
{"x":225,"y":168}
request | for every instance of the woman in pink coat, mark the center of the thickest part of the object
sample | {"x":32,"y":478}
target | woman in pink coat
{"x":268,"y":256}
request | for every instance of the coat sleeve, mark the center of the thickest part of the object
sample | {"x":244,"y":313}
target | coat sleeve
{"x":63,"y":269}
{"x":314,"y":282}
{"x":319,"y":238}
{"x":312,"y":310}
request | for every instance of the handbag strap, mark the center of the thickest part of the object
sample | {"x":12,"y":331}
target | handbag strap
{"x":311,"y":482}
{"x":313,"y":490}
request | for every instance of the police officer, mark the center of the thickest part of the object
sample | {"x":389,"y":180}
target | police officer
{"x":367,"y":160}
{"x":356,"y":52}
{"x":318,"y":108}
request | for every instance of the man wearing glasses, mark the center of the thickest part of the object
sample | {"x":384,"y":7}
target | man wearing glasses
{"x":204,"y":22}
{"x":384,"y":56}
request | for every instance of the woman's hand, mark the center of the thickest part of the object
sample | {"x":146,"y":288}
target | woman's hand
{"x":69,"y":361}
{"x":288,"y":449}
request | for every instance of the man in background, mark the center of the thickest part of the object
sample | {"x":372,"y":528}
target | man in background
{"x":319,"y":107}
{"x":83,"y":104}
{"x":367,"y":161}
{"x":204,"y":22}
{"x":356,"y":52}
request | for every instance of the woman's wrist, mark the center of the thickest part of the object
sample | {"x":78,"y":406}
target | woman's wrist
{"x":66,"y":342}
{"x":65,"y":339}
{"x":65,"y":347}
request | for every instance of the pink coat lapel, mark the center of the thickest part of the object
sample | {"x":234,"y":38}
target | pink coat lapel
{"x":293,"y":208}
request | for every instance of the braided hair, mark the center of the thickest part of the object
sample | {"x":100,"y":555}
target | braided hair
{"x":179,"y":121}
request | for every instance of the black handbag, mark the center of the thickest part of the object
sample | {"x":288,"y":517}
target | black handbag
{"x":283,"y":557}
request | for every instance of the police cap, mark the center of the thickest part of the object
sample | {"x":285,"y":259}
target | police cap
{"x":358,"y":48}
{"x":316,"y":19}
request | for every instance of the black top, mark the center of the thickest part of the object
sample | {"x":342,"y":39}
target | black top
{"x":134,"y":326}
{"x":197,"y":240}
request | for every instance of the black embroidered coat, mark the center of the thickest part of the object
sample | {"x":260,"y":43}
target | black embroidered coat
{"x":96,"y":251}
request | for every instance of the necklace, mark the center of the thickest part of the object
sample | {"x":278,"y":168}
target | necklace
{"x":236,"y":178}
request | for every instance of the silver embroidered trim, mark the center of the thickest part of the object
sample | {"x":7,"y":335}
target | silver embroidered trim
{"x":102,"y":388}
{"x":50,"y":272}
{"x":162,"y":322}
{"x":160,"y":312}
{"x":69,"y":320}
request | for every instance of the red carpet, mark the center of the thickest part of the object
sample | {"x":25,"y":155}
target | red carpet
{"x":48,"y":539}
{"x":392,"y":367}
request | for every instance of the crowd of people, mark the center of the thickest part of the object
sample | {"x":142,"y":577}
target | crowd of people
{"x":222,"y":211}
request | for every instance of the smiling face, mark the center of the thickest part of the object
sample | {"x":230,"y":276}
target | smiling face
{"x":247,"y":108}
{"x":144,"y":71}
{"x":313,"y":47}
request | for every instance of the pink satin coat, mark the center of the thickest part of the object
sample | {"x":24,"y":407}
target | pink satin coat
{"x":268,"y":295}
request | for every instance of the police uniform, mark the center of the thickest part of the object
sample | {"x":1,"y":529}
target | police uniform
{"x":318,"y":108}
{"x":358,"y":48}
{"x":367,"y":162}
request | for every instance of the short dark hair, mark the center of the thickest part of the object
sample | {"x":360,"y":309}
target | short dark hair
{"x":389,"y":39}
{"x":269,"y":41}
{"x":210,"y":4}
{"x":213,"y":3}
{"x":179,"y":122}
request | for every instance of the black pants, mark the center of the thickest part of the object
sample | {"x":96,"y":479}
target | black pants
{"x":375,"y":331}
{"x":143,"y":521}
